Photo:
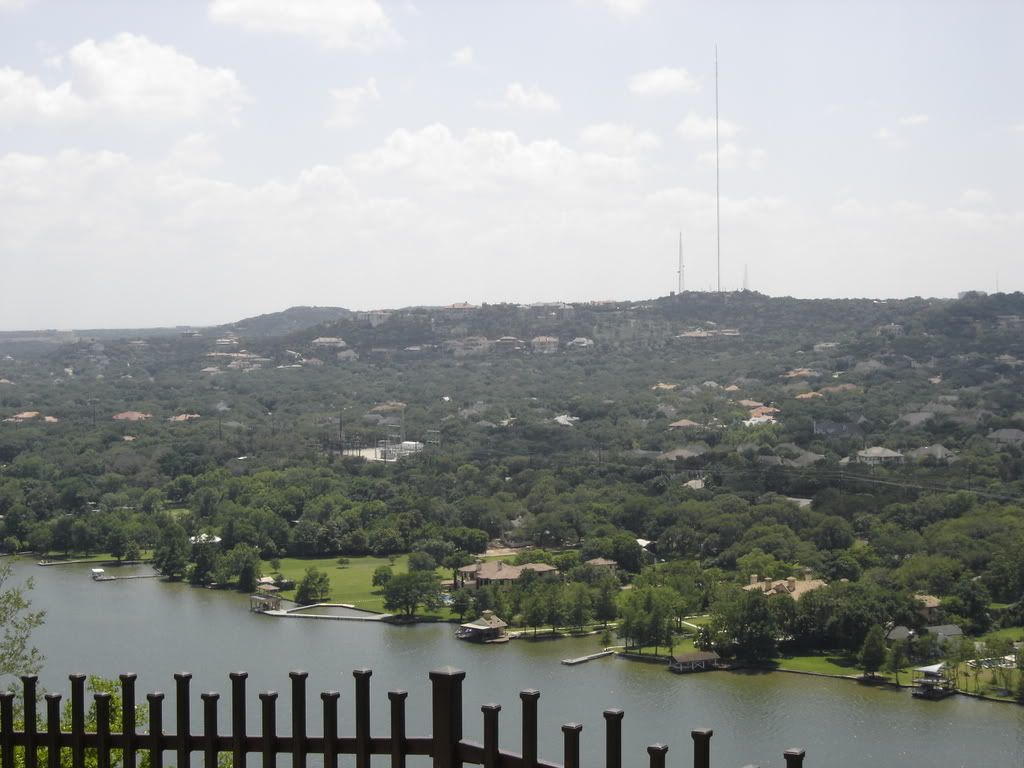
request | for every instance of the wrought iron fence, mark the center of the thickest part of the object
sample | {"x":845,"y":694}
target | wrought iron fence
{"x":36,"y":746}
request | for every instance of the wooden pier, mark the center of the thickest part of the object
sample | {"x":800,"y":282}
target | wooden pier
{"x":585,"y":659}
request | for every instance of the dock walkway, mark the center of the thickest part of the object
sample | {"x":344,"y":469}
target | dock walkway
{"x":585,"y":659}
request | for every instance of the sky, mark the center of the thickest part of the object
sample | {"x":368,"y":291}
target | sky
{"x":197,"y":162}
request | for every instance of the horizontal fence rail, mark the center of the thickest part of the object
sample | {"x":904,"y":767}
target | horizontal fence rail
{"x":34,"y":741}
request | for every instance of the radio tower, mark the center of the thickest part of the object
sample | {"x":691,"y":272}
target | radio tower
{"x":682,"y":268}
{"x":745,"y":288}
{"x":718,"y":214}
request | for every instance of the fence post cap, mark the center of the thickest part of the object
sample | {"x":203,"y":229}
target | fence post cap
{"x":529,"y":693}
{"x":398,"y":695}
{"x":795,"y":752}
{"x":155,"y":696}
{"x":103,"y":696}
{"x":298,"y":674}
{"x":699,"y":733}
{"x":657,"y":749}
{"x":268,"y":695}
{"x":614,"y":714}
{"x":238,"y":675}
{"x":6,"y":696}
{"x":29,"y":678}
{"x":328,"y":695}
{"x":363,"y":672}
{"x":76,"y":676}
{"x":490,"y":707}
{"x":209,"y":696}
{"x":125,"y":677}
{"x":570,"y":727}
{"x":446,"y":673}
{"x":182,"y":676}
{"x":52,"y":697}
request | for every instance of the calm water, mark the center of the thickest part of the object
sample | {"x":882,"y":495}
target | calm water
{"x":156,"y":629}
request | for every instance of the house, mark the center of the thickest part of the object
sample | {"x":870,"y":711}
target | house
{"x":509,"y":344}
{"x":700,"y":661}
{"x":877,"y":455}
{"x":932,"y":682}
{"x":944,"y":633}
{"x":684,"y":424}
{"x":499,"y":572}
{"x":791,"y":586}
{"x":486,"y":629}
{"x":544,"y":345}
{"x":927,"y":606}
{"x":1006,"y":436}
{"x":899,"y":634}
{"x":580,"y":342}
{"x":937,"y":452}
{"x":330,"y":342}
{"x":602,"y":562}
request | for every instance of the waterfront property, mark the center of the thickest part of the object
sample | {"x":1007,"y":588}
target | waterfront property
{"x":932,"y":682}
{"x":499,"y":572}
{"x":486,"y":629}
{"x":699,"y":661}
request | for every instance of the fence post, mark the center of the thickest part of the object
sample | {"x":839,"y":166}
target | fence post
{"x":77,"y":721}
{"x":102,"y":729}
{"x":156,"y":729}
{"x":571,"y":744}
{"x":210,"y":728}
{"x":657,"y":753}
{"x":529,"y":697}
{"x":397,"y":699}
{"x":702,"y":747}
{"x":362,"y":677}
{"x":53,"y":730}
{"x":330,"y":700}
{"x":28,"y":683}
{"x":6,"y":730}
{"x":298,"y":718}
{"x":446,"y":702}
{"x":181,"y":680}
{"x":269,"y":703}
{"x":128,"y":718}
{"x":613,"y":737}
{"x":794,"y":757}
{"x":491,"y":734}
{"x":238,"y":735}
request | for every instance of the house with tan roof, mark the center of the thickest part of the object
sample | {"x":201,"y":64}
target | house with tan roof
{"x":791,"y":586}
{"x":499,"y":572}
{"x":132,"y":416}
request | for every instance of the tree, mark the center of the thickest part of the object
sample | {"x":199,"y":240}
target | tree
{"x":872,"y":653}
{"x":381,"y":575}
{"x":405,"y":592}
{"x":896,"y":659}
{"x":579,"y":604}
{"x":17,"y":655}
{"x":421,"y":561}
{"x":172,"y":550}
{"x":315,"y":586}
{"x":461,"y":602}
{"x":743,"y":623}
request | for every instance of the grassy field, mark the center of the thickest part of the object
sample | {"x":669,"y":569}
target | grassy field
{"x":349,"y":583}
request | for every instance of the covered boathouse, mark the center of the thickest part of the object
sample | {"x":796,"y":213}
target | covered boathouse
{"x":487,"y":629}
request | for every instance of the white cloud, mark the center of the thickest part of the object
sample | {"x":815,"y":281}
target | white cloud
{"x":855,"y":209}
{"x":1018,"y":128}
{"x":131,"y":75}
{"x":347,"y":103}
{"x":696,"y":128}
{"x":913,"y":120}
{"x":733,"y":156}
{"x":338,"y":24}
{"x":488,"y":160}
{"x":13,"y":5}
{"x":889,"y":138}
{"x":619,"y":138}
{"x":975,"y":196}
{"x":194,"y":152}
{"x":627,"y":7}
{"x":656,"y":82}
{"x":462,"y":57}
{"x":126,"y":76}
{"x":23,"y":97}
{"x":519,"y":96}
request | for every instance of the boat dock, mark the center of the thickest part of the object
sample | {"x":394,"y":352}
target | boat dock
{"x":585,"y":659}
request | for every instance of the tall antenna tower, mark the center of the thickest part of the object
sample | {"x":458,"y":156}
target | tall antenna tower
{"x":682,"y":268}
{"x":745,"y":288}
{"x":718,"y":211}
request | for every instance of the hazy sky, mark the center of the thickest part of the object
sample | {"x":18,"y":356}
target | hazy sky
{"x":197,"y":162}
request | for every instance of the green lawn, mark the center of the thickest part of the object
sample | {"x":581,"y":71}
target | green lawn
{"x":835,"y":663}
{"x":349,"y":584}
{"x":1009,"y":633}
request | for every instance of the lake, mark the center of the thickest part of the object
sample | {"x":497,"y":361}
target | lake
{"x":156,"y":629}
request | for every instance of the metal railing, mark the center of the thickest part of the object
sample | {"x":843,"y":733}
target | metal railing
{"x":36,"y":746}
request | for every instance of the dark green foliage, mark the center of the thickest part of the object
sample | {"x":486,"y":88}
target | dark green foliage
{"x":406,"y":592}
{"x":313,"y":587}
{"x":872,"y":652}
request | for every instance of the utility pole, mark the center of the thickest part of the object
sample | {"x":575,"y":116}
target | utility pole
{"x":718,"y":210}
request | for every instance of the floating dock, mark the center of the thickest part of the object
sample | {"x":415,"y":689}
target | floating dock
{"x":585,"y":659}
